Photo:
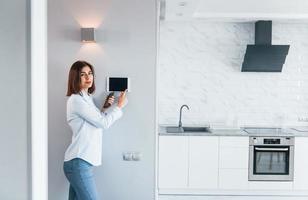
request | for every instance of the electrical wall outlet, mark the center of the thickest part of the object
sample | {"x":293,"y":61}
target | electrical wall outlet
{"x":136,"y":156}
{"x":131,"y":156}
{"x":127,"y":156}
{"x":302,"y":119}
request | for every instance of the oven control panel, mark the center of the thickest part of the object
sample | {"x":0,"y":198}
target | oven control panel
{"x":271,"y":141}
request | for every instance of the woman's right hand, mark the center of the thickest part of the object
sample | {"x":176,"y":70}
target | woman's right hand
{"x":122,"y":99}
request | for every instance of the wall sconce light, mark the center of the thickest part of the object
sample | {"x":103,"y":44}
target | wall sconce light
{"x":87,"y":34}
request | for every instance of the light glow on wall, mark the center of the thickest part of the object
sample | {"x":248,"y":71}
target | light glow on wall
{"x":88,"y":13}
{"x":90,"y":50}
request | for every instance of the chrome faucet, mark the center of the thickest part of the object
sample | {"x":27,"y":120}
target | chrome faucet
{"x":180,"y":121}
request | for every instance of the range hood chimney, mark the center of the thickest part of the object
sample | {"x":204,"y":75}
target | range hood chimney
{"x":263,"y":56}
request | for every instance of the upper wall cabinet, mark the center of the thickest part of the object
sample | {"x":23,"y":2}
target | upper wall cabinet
{"x":246,"y":10}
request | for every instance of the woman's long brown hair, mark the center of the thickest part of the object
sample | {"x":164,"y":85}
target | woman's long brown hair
{"x":73,"y":86}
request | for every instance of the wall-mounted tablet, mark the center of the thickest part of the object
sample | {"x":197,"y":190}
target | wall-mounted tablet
{"x":115,"y":84}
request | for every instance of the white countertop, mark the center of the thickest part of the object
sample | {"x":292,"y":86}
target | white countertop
{"x":285,"y":131}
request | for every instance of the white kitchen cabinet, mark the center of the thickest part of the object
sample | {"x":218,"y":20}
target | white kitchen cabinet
{"x":191,"y":164}
{"x":233,"y":162}
{"x":234,"y":141}
{"x":301,"y":163}
{"x":234,"y":152}
{"x":173,"y":162}
{"x":203,"y":162}
{"x":236,"y":179}
{"x":233,"y":157}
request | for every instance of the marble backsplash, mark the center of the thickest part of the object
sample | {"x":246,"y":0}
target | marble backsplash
{"x":200,"y":65}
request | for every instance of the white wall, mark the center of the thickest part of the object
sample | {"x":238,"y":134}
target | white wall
{"x":126,"y":46}
{"x":200,"y":65}
{"x":14,"y":102}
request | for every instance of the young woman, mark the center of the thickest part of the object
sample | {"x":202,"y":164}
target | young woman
{"x":87,"y":123}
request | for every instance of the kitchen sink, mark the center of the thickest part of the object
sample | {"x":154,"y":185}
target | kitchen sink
{"x":197,"y":129}
{"x":184,"y":129}
{"x":174,"y":129}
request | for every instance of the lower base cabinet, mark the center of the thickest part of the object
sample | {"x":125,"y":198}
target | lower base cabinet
{"x":203,"y":162}
{"x":233,"y":163}
{"x":301,"y":163}
{"x":188,"y":162}
{"x":233,"y":179}
{"x":173,"y":162}
{"x":220,"y":163}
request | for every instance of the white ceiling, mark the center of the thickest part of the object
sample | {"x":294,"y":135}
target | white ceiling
{"x":247,"y":10}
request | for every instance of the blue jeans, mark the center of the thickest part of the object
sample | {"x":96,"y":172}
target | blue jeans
{"x":80,"y":175}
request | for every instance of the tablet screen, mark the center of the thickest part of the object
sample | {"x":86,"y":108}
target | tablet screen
{"x":117,"y":84}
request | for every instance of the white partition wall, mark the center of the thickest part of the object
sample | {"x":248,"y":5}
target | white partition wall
{"x":125,"y":46}
{"x":39,"y":99}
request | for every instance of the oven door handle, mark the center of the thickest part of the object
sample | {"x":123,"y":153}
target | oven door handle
{"x":271,"y":149}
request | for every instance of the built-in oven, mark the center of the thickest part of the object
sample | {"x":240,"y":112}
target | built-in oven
{"x":271,"y":158}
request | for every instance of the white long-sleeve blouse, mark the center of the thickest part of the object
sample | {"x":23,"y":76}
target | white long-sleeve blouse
{"x":87,"y":123}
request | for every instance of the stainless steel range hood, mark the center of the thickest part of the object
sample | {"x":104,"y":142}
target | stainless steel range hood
{"x":263,"y":56}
